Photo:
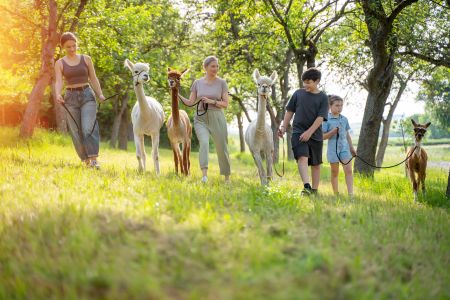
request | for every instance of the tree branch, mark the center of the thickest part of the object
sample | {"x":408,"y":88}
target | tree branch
{"x":76,"y":18}
{"x":241,"y":104}
{"x":282,"y":22}
{"x":438,"y":62}
{"x":397,"y":10}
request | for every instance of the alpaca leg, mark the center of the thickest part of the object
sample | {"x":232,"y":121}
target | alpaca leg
{"x":138,"y":140}
{"x":180,"y":158}
{"x":189,"y":156}
{"x":144,"y":155}
{"x":422,"y":180}
{"x":412,"y":176}
{"x":185,"y":166}
{"x":175,"y":157}
{"x":269,"y":164}
{"x":258,"y":160}
{"x":155,"y":152}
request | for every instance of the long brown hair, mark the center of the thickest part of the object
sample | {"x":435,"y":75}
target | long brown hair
{"x":67,"y":36}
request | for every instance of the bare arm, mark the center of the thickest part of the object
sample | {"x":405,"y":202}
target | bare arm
{"x":350,"y":143}
{"x":220,"y":104}
{"x":330,"y":133}
{"x":93,"y":78}
{"x":58,"y":82}
{"x":191,"y":100}
{"x":307,"y":134}
{"x":287,"y":118}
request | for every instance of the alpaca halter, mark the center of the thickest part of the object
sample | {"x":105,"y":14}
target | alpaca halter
{"x":137,"y":82}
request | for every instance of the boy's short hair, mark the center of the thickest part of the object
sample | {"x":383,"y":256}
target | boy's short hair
{"x":312,"y":74}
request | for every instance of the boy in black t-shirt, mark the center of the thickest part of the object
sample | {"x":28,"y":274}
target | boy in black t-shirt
{"x":309,"y":106}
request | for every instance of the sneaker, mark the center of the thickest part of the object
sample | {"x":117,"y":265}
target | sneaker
{"x":307,"y":192}
{"x":204,"y":179}
{"x":94,"y":164}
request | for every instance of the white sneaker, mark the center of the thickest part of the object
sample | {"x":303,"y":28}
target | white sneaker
{"x":204,"y":179}
{"x":94,"y":164}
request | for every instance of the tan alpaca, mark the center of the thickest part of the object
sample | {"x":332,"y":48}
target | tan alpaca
{"x":179,"y":127}
{"x":258,"y":136}
{"x":417,"y":163}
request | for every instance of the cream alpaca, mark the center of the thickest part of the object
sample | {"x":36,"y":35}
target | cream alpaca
{"x":258,"y":136}
{"x":147,"y":116}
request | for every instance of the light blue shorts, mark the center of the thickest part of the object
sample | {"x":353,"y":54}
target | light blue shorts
{"x":343,"y":155}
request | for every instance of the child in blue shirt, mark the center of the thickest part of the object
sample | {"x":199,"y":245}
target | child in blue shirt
{"x":338,"y":123}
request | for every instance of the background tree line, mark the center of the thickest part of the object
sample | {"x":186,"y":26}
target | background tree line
{"x":379,"y":46}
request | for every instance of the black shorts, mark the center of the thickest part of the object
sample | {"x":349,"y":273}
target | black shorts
{"x":311,"y":149}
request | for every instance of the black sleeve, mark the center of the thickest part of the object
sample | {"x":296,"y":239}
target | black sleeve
{"x":323,"y":110}
{"x":292,"y":104}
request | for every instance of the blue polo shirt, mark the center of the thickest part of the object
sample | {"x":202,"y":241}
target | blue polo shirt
{"x":343,"y":146}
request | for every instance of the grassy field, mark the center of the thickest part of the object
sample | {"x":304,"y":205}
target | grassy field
{"x":67,"y":232}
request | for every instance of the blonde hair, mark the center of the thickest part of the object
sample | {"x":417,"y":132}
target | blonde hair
{"x":209,"y":60}
{"x":334,"y":98}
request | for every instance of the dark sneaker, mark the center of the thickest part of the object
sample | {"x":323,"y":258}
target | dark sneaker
{"x":307,"y":192}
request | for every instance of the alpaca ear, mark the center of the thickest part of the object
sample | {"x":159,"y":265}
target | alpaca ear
{"x":256,"y":75}
{"x":413,"y":122}
{"x":129,"y":64}
{"x":428,"y":124}
{"x":274,"y":76}
{"x":184,"y":72}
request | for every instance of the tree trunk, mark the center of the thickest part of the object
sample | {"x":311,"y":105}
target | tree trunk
{"x":60,"y":115}
{"x":383,"y":46}
{"x":373,"y":113}
{"x":117,"y":119}
{"x":387,"y":124}
{"x":123,"y":129}
{"x":379,"y":83}
{"x":45,"y":74}
{"x":241,"y":132}
{"x":448,"y":184}
{"x":299,"y":62}
{"x":274,"y":124}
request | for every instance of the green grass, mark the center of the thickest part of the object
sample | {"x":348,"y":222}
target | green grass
{"x":67,"y":232}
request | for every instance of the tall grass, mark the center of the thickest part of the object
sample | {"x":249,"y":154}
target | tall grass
{"x":67,"y":232}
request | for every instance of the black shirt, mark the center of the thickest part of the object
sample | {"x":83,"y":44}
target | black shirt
{"x":307,"y":107}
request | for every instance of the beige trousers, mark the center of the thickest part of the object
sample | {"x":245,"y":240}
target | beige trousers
{"x":213,"y":123}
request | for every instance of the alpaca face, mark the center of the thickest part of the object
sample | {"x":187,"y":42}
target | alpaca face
{"x":174,"y":77}
{"x":264,"y":83}
{"x":420,"y":130}
{"x":139,"y":71}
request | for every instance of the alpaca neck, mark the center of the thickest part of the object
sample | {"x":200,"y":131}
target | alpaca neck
{"x":418,"y":145}
{"x":261,"y":117}
{"x":142,"y":100}
{"x":175,"y":110}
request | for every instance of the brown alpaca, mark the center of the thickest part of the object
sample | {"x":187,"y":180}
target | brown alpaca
{"x":179,"y":127}
{"x":417,"y":163}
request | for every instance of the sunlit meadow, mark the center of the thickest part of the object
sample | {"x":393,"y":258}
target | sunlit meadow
{"x":67,"y":232}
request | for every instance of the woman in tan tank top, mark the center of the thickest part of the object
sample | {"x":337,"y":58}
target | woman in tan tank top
{"x":79,"y":99}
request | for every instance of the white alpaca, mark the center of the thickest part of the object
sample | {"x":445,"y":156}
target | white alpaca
{"x":258,"y":136}
{"x":147,"y":116}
